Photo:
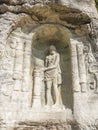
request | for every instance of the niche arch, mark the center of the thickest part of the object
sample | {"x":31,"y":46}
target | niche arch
{"x":28,"y":46}
{"x":58,"y":36}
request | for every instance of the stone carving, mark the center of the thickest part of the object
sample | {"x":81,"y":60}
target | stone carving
{"x":6,"y":86}
{"x":94,"y":70}
{"x":51,"y":74}
{"x":37,"y":87}
{"x":7,"y":55}
{"x":2,"y":50}
{"x":96,"y":123}
{"x":31,"y":15}
{"x":74,"y":66}
{"x":13,"y":43}
{"x":82,"y":69}
{"x":5,"y":66}
{"x":92,"y":28}
{"x":18,"y":67}
{"x":91,"y":69}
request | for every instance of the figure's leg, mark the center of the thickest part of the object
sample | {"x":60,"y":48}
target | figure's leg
{"x":56,"y":91}
{"x":48,"y":93}
{"x":60,"y":97}
{"x":43,"y":93}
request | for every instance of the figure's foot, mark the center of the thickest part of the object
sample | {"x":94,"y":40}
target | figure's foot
{"x":55,"y":105}
{"x":58,"y":107}
{"x":96,"y":91}
{"x":62,"y":107}
{"x":47,"y":107}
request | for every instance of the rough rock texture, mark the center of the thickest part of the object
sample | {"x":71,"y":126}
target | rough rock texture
{"x":73,"y":22}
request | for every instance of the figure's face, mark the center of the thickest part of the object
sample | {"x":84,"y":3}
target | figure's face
{"x":52,"y":52}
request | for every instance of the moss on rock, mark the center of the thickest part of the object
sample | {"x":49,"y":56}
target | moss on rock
{"x":51,"y":13}
{"x":96,"y":3}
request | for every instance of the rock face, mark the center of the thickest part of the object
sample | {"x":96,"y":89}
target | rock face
{"x":27,"y":29}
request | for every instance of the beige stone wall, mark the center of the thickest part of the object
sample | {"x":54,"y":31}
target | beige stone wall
{"x":20,"y":28}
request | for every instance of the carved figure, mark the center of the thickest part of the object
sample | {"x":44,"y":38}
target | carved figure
{"x":53,"y":77}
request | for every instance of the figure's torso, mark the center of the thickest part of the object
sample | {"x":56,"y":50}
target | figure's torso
{"x":52,"y":73}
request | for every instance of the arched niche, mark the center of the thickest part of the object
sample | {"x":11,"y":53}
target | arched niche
{"x":32,"y":48}
{"x":58,"y":36}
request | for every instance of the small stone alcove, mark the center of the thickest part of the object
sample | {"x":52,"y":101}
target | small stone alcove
{"x":24,"y":29}
{"x":31,"y":47}
{"x":58,"y":36}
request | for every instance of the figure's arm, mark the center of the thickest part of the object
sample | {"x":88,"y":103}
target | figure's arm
{"x":46,"y":62}
{"x":55,"y":64}
{"x":40,"y":68}
{"x":57,"y":60}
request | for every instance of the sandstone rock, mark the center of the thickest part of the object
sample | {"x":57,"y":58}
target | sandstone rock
{"x":27,"y":28}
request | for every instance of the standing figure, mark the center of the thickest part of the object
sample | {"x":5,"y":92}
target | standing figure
{"x":53,"y":77}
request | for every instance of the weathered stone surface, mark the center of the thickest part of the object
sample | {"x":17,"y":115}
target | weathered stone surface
{"x":87,"y":6}
{"x":50,"y":125}
{"x":27,"y":28}
{"x":50,"y":14}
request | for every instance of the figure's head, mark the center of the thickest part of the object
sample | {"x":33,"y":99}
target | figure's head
{"x":52,"y":49}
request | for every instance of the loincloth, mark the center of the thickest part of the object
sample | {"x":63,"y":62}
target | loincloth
{"x":53,"y":75}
